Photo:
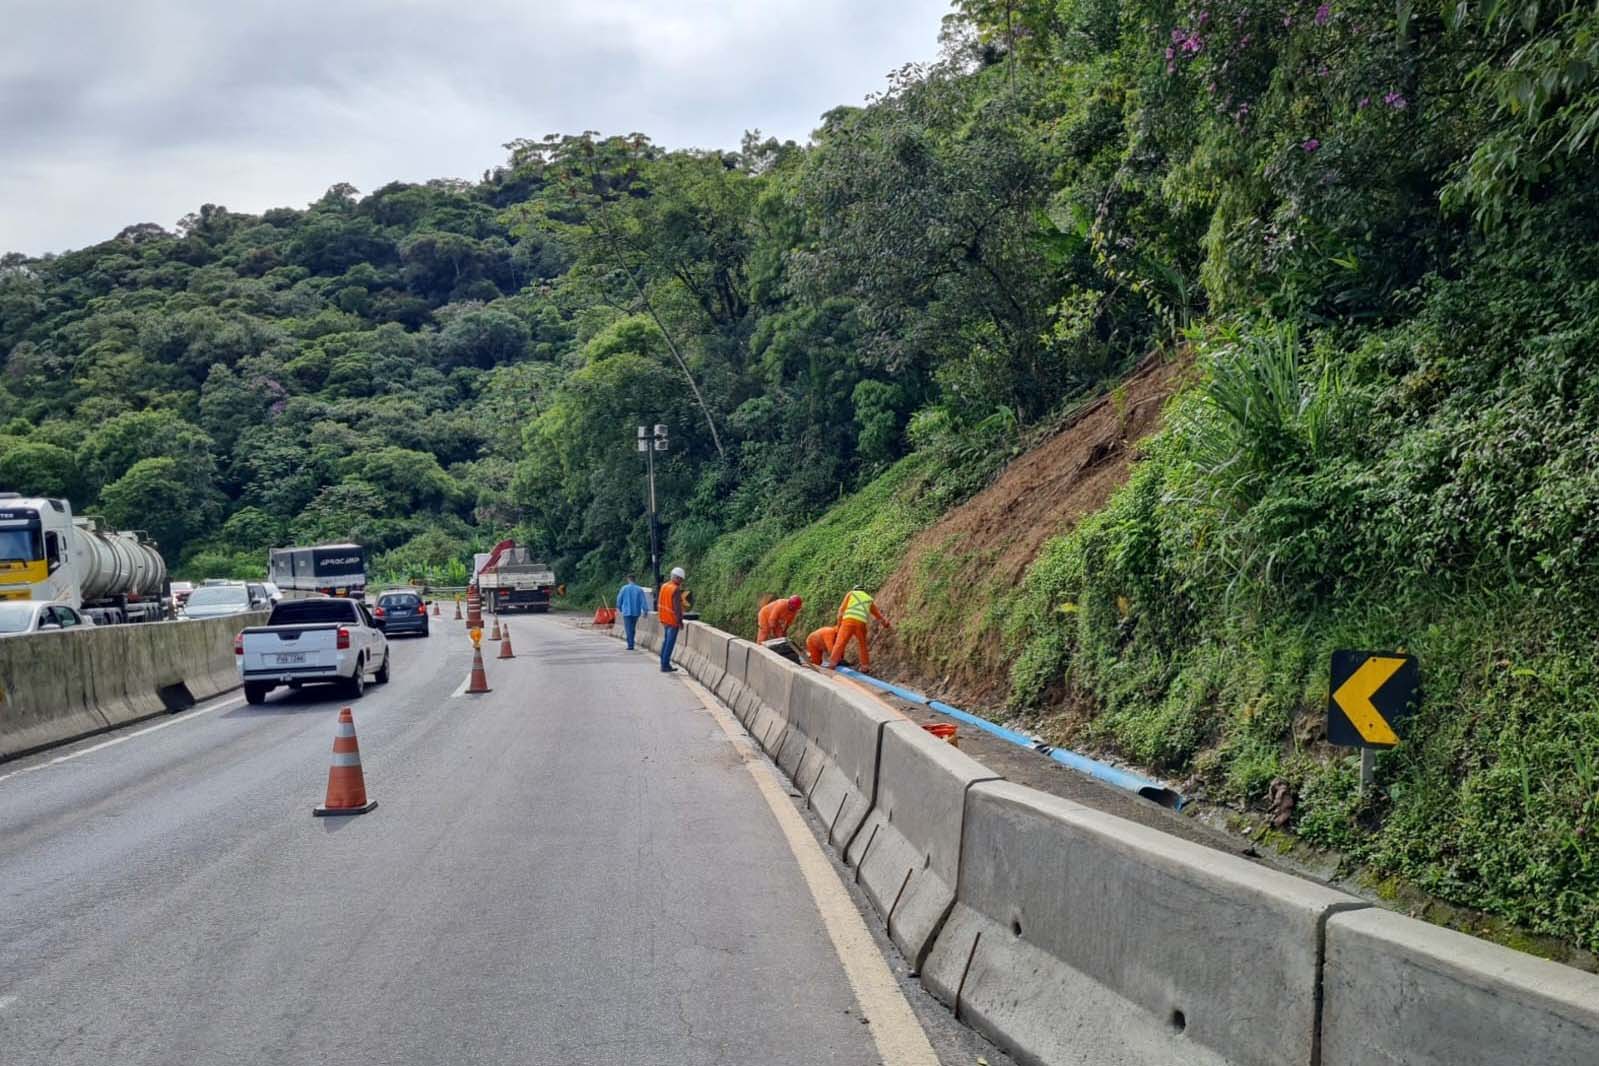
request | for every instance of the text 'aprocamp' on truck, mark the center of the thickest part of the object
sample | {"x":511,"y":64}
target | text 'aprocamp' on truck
{"x":319,"y":570}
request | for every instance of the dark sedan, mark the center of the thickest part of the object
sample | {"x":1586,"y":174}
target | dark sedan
{"x":401,"y":611}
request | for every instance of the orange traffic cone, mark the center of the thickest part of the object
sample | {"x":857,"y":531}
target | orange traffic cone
{"x":457,"y":610}
{"x":505,"y":644}
{"x":480,"y":680}
{"x":494,"y":634}
{"x":346,"y":786}
{"x":436,"y":608}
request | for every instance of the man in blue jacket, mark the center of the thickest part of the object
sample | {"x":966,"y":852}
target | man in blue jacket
{"x":630,"y":604}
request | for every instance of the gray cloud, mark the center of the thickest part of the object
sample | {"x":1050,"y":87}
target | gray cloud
{"x":118,"y":113}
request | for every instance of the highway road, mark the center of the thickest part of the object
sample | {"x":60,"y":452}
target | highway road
{"x":586,"y":867}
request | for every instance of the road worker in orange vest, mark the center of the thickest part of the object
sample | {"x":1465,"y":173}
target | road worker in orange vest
{"x":854,"y":618}
{"x":776,"y":617}
{"x":819,"y":643}
{"x":669,"y":606}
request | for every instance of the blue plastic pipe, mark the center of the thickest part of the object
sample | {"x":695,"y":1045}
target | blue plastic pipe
{"x":1103,"y":771}
{"x":1019,"y":739}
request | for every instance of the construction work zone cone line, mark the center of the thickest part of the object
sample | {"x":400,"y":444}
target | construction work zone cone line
{"x":479,"y":682}
{"x":505,"y":644}
{"x":346,"y":786}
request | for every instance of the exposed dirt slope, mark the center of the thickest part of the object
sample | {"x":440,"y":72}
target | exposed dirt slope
{"x":946,"y":636}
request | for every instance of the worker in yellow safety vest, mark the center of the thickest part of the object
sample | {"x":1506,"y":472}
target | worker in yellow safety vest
{"x":854,"y":619}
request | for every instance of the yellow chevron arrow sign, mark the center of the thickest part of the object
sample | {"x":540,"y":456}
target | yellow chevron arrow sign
{"x":1372,"y":694}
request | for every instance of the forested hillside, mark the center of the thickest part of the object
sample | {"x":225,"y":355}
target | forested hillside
{"x":1370,"y":225}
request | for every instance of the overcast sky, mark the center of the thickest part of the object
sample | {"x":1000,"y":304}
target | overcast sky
{"x":121,"y":111}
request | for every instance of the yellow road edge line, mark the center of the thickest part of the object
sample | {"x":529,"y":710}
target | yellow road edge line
{"x":899,"y":1037}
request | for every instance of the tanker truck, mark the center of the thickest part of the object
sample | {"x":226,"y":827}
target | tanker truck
{"x":46,"y":554}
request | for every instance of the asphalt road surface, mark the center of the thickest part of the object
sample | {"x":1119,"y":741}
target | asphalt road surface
{"x":583,"y":868}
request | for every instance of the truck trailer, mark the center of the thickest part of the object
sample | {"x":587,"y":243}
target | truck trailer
{"x":319,"y":570}
{"x":112,"y":576}
{"x":510,"y":579}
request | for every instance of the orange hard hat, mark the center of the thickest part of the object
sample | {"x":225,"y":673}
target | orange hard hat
{"x":794,"y":603}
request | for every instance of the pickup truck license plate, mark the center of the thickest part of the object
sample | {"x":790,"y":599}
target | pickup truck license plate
{"x":291,"y":659}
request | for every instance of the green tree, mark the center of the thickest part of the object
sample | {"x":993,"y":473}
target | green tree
{"x":252,"y":529}
{"x":483,"y":338}
{"x":112,"y":449}
{"x":35,"y":468}
{"x":349,"y":511}
{"x":408,"y":480}
{"x":156,"y":496}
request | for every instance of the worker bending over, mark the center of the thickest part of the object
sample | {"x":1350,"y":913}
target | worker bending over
{"x":776,"y":617}
{"x":819,"y":643}
{"x":854,"y":618}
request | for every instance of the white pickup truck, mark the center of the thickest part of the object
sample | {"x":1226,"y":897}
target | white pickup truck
{"x":315,"y":641}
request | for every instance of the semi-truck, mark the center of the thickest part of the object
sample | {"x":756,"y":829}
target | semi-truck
{"x":510,"y":579}
{"x":113,"y":576}
{"x":319,"y":570}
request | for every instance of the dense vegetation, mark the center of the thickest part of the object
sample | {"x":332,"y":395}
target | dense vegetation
{"x":1373,"y":223}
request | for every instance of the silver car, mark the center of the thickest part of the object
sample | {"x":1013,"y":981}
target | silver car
{"x":217,"y":601}
{"x":39,"y":616}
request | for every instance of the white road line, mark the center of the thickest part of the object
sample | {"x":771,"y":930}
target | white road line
{"x":6,"y":1001}
{"x":899,"y":1036}
{"x":187,"y":716}
{"x":461,"y":691}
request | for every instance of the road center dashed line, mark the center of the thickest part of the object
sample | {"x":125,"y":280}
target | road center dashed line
{"x":900,"y":1038}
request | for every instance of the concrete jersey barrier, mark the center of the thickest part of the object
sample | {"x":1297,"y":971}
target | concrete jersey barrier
{"x":59,"y":686}
{"x":770,"y":678}
{"x":832,"y":750}
{"x":648,"y":633}
{"x":732,"y":687}
{"x":705,"y":652}
{"x":907,"y":855}
{"x":1399,"y":991}
{"x":1079,"y":937}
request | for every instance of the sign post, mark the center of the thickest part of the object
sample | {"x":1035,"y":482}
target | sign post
{"x":649,"y":442}
{"x":1370,"y":698}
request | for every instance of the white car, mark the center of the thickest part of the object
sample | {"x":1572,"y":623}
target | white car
{"x":39,"y":616}
{"x":323,"y":640}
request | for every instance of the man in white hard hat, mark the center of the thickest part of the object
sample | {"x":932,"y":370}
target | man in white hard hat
{"x":670,"y":607}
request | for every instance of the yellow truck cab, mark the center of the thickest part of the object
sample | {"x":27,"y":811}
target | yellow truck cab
{"x":46,"y":554}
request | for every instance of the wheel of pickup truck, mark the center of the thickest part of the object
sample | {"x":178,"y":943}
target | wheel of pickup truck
{"x":382,"y":676}
{"x":355,"y":684}
{"x":254,"y":692}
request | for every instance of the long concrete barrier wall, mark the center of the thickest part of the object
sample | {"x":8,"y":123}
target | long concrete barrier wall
{"x":56,"y":687}
{"x":1070,"y":936}
{"x":1402,"y":991}
{"x":908,"y":854}
{"x":1081,"y":937}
